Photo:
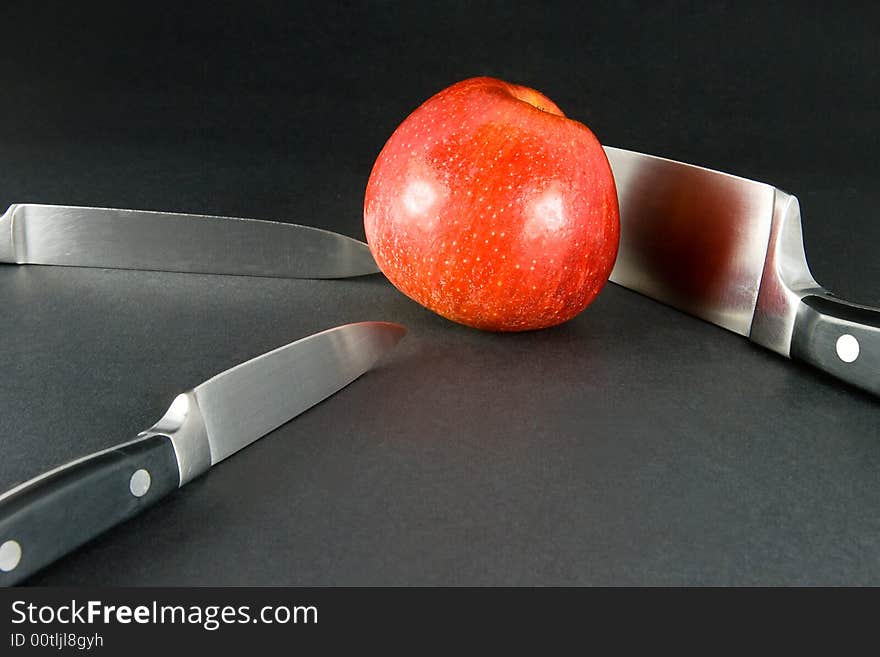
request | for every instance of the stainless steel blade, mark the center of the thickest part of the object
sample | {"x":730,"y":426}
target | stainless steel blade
{"x":165,"y":241}
{"x":692,"y":237}
{"x":242,"y":404}
{"x":249,"y":400}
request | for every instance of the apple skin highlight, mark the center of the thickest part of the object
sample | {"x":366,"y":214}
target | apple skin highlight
{"x":491,"y":208}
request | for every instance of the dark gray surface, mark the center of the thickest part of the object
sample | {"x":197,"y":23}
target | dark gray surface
{"x":632,"y":445}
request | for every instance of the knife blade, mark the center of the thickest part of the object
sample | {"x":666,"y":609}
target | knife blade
{"x":730,"y":250}
{"x":50,"y":515}
{"x":167,"y":241}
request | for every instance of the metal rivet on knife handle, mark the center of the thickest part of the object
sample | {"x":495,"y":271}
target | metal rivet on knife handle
{"x":139,"y":483}
{"x":847,"y":348}
{"x":10,"y":555}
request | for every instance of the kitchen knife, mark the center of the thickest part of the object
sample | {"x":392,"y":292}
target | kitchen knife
{"x":50,"y":515}
{"x":730,"y":250}
{"x":166,"y":241}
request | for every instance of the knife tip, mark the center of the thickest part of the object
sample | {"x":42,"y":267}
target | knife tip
{"x":394,"y":330}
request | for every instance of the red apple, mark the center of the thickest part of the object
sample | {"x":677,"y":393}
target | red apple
{"x":490,"y":207}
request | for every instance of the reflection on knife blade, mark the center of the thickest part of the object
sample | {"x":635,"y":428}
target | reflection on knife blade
{"x":165,"y":241}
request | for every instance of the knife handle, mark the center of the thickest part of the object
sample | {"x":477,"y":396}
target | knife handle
{"x":840,"y":338}
{"x":54,"y":513}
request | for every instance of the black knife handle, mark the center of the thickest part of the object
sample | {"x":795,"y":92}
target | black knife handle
{"x":840,"y":338}
{"x":57,"y":512}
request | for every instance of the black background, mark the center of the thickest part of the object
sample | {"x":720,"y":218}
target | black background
{"x":632,"y":445}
